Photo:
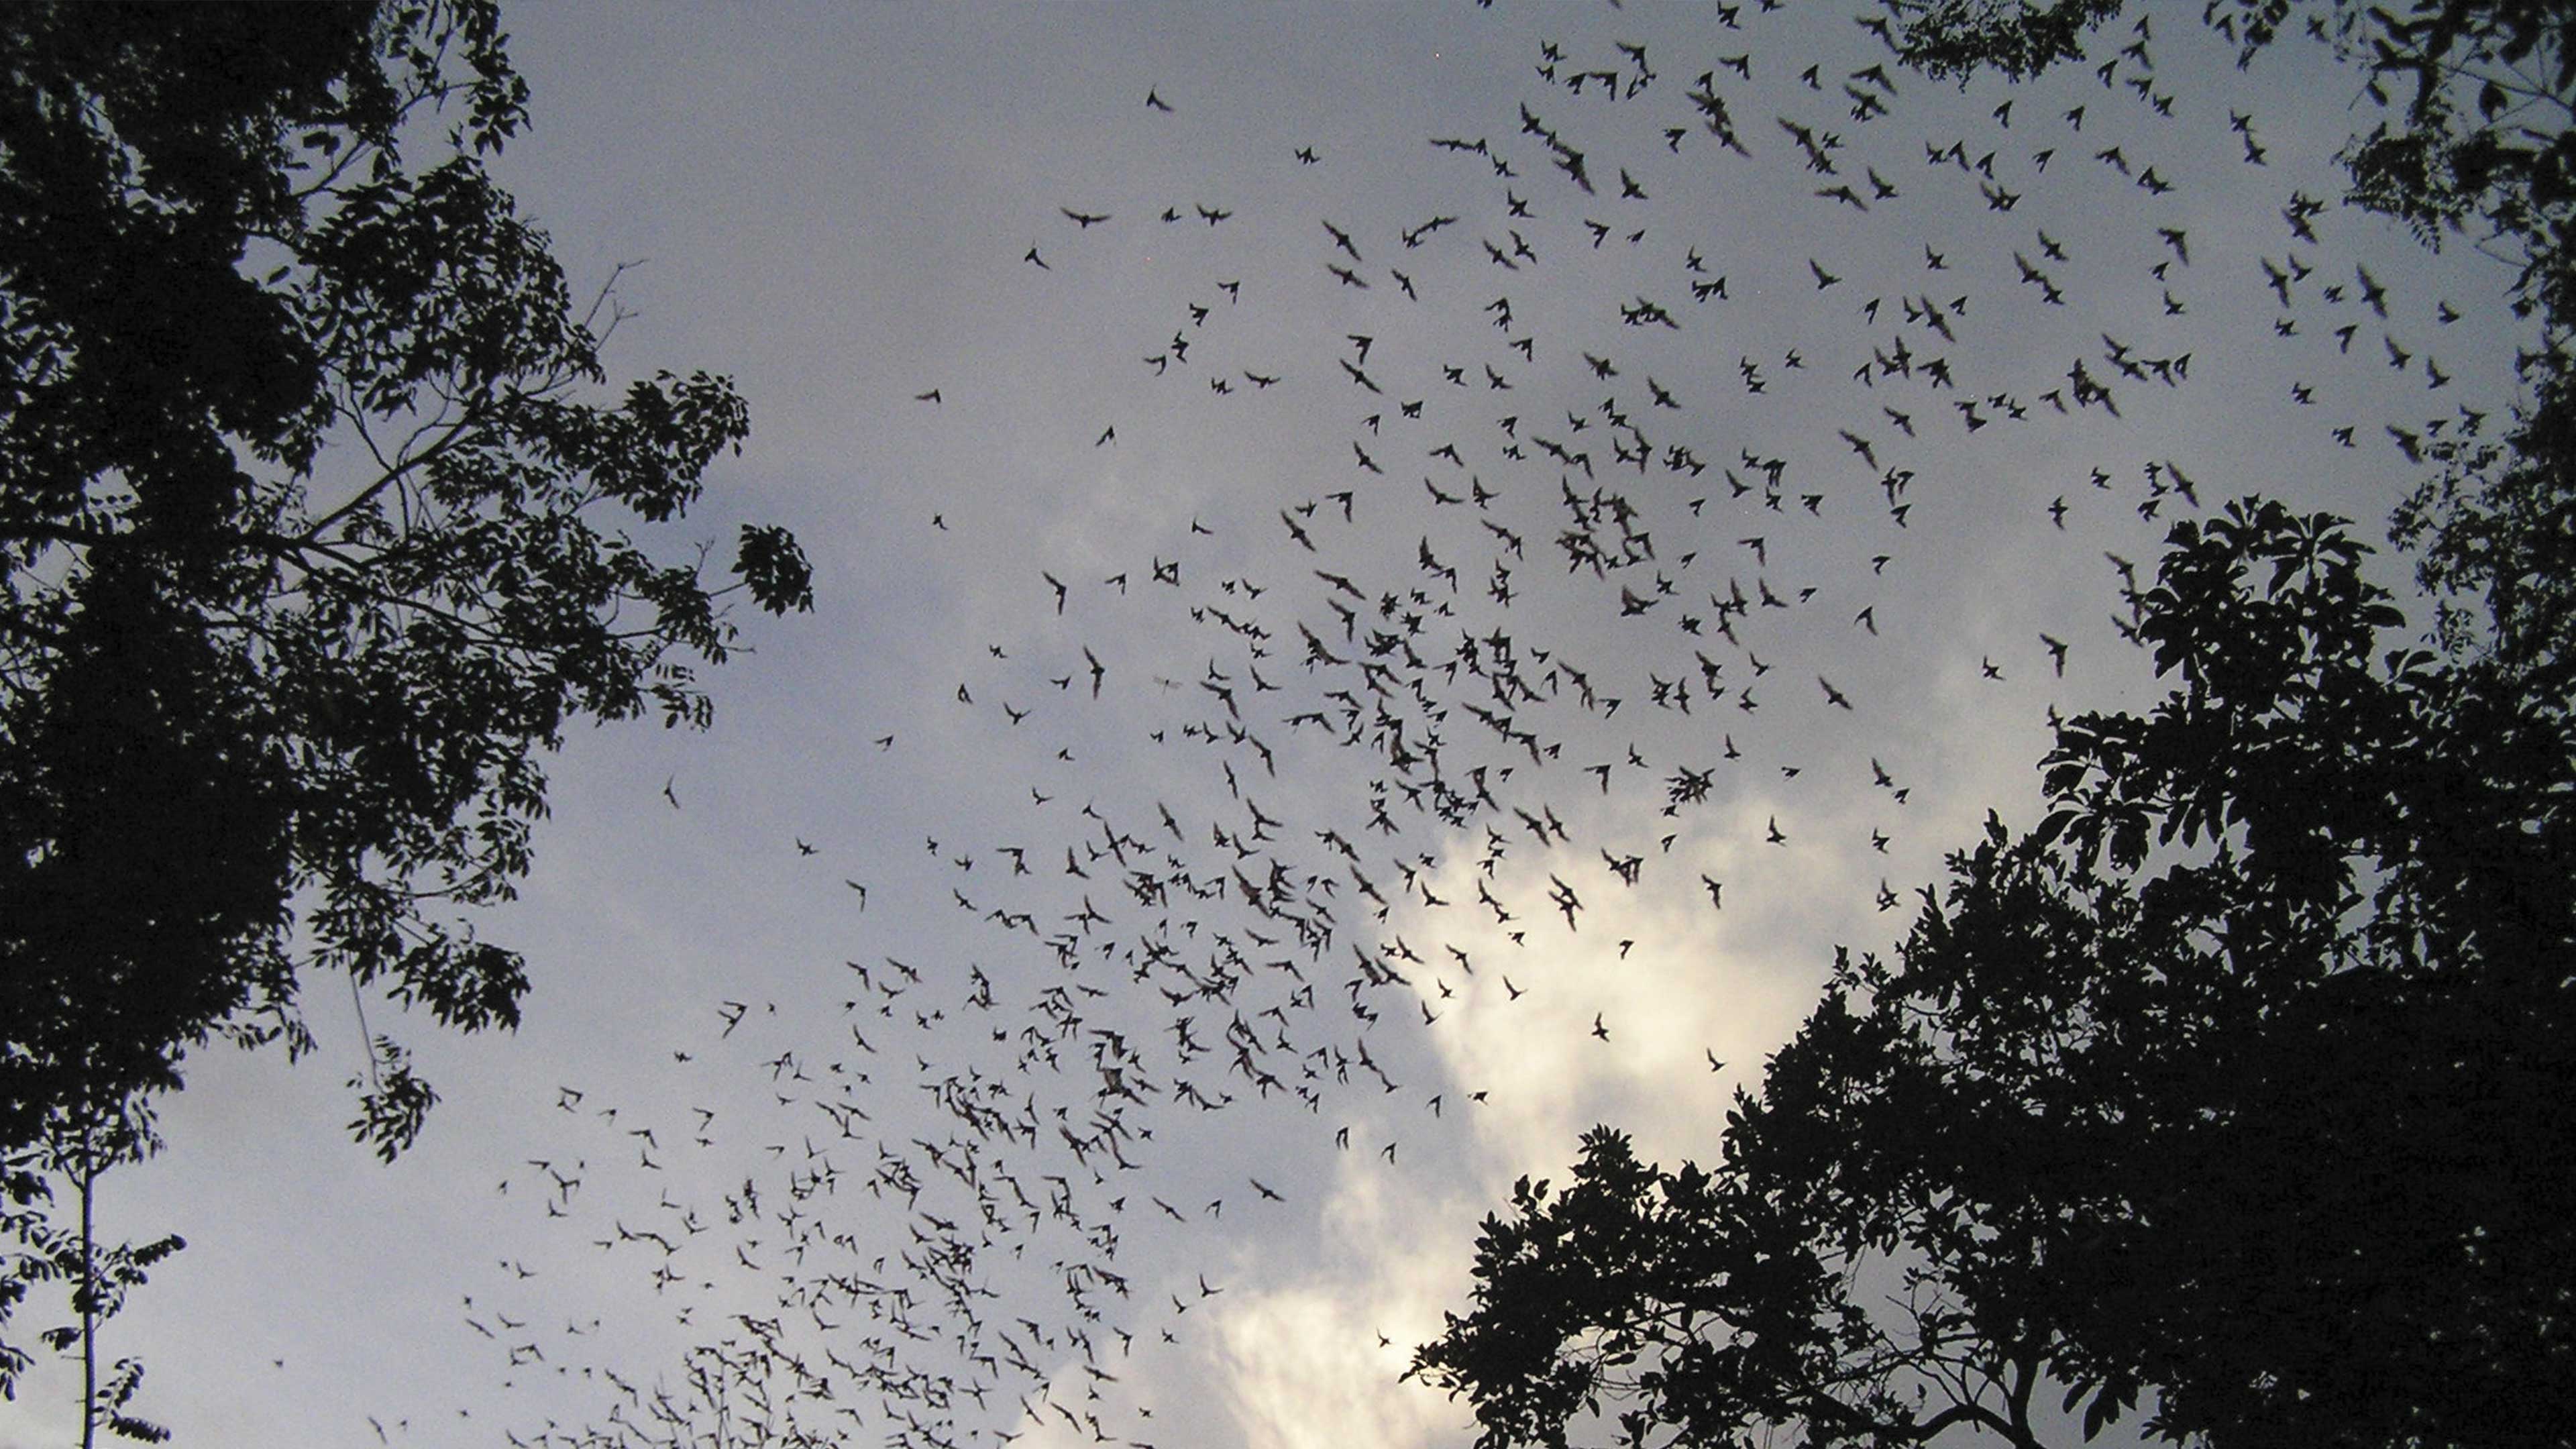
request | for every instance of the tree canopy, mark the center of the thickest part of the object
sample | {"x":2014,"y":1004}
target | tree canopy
{"x":2234,"y":1080}
{"x":318,"y":520}
{"x":2229,"y":1095}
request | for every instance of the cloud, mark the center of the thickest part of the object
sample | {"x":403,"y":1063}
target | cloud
{"x":1314,"y":1362}
{"x":1312,"y":1358}
{"x":1667,"y":979}
{"x":1047,"y":1421}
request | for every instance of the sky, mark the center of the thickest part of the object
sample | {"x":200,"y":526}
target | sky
{"x":1371,"y":656}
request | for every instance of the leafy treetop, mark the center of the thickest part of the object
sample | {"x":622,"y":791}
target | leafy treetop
{"x":2232,"y":1083}
{"x":317,"y":532}
{"x":2232,"y":1089}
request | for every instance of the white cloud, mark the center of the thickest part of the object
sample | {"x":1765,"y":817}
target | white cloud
{"x":1692,"y":981}
{"x":1312,"y":1358}
{"x":1313,"y":1362}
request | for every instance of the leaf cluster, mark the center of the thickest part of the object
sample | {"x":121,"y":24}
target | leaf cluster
{"x":316,"y":533}
{"x":320,"y":519}
{"x":2228,"y":1091}
{"x":2232,"y":1093}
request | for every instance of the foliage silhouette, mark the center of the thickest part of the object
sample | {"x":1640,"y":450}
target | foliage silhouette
{"x":2235,"y":1081}
{"x":316,"y":537}
{"x":2231,"y":1089}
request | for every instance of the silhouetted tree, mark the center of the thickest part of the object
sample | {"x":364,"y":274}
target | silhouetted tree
{"x":2239,"y":1081}
{"x":316,"y":536}
{"x":2236,"y":1087}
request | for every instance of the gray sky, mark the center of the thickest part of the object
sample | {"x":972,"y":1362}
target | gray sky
{"x":835,"y":206}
